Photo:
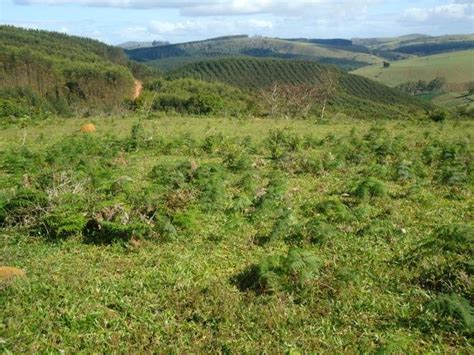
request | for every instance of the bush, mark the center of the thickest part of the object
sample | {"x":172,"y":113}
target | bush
{"x":23,"y":208}
{"x":438,"y":116}
{"x":281,"y":142}
{"x":62,"y":223}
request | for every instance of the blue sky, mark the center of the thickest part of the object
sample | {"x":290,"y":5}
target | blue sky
{"x":116,"y":21}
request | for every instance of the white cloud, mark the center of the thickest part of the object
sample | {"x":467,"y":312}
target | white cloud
{"x":223,"y":7}
{"x":211,"y":27}
{"x":457,"y":11}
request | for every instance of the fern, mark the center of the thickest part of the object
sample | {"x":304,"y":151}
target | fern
{"x":369,"y":187}
{"x":456,"y":238}
{"x":457,"y":308}
{"x":333,"y":210}
{"x":275,"y":273}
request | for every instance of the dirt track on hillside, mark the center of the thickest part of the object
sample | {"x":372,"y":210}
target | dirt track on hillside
{"x":138,"y":89}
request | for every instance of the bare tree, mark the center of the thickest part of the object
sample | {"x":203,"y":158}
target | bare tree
{"x":271,"y":98}
{"x":291,"y":101}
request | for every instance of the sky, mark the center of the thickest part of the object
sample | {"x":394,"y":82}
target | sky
{"x":117,"y":21}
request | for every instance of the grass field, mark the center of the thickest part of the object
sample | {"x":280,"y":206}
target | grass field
{"x":183,"y":234}
{"x":456,"y":67}
{"x":455,"y":99}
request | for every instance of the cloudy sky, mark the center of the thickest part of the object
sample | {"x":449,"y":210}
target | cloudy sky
{"x":116,"y":21}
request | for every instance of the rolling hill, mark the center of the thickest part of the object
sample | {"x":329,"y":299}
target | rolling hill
{"x":59,"y":73}
{"x":456,"y":67}
{"x":354,"y":95}
{"x":171,"y":56}
{"x":417,"y":44}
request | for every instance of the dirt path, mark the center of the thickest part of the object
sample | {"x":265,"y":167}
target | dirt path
{"x":138,"y":89}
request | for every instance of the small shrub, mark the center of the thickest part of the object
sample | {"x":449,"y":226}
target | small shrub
{"x":237,"y":161}
{"x":321,"y":232}
{"x":403,"y":171}
{"x":438,"y":115}
{"x":369,"y":187}
{"x":23,"y":207}
{"x":289,"y":273}
{"x":281,"y":142}
{"x":106,"y":232}
{"x":333,"y":210}
{"x":455,"y":238}
{"x":62,"y":223}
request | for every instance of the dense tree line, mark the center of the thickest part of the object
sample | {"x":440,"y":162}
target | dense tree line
{"x":53,"y":72}
{"x":424,"y":49}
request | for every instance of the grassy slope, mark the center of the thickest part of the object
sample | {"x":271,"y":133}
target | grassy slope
{"x":456,"y":67}
{"x":178,"y":296}
{"x":455,"y":99}
{"x":268,"y":47}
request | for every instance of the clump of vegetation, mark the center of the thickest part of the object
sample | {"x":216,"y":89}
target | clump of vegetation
{"x":332,"y":210}
{"x":370,"y":187}
{"x":438,"y":115}
{"x":23,"y":207}
{"x":288,"y":273}
{"x":194,"y":97}
{"x":455,"y":310}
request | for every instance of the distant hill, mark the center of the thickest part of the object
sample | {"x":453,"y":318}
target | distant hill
{"x":135,"y":44}
{"x":345,"y":53}
{"x":61,"y":73}
{"x":417,"y":44}
{"x":355,"y":94}
{"x":338,"y":53}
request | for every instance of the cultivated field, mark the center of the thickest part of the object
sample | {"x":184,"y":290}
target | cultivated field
{"x":181,"y":234}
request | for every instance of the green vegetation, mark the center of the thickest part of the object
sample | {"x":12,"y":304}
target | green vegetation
{"x":456,"y":68}
{"x":44,"y":72}
{"x":347,"y":94}
{"x":450,"y":73}
{"x":237,"y":235}
{"x":172,"y":56}
{"x":416,"y":44}
{"x":194,"y":97}
{"x":236,"y":205}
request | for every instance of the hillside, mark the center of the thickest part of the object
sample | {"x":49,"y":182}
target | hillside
{"x":353,"y":94}
{"x":417,"y":44}
{"x":172,"y":56}
{"x":60,"y":73}
{"x":456,"y":67}
{"x":136,"y":44}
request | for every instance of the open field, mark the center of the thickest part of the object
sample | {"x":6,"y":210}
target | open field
{"x":185,"y":234}
{"x":456,"y":67}
{"x":455,"y":99}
